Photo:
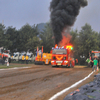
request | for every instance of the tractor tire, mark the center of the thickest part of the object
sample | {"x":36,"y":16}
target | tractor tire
{"x":49,"y":63}
{"x":35,"y":63}
{"x":71,"y":66}
{"x":53,"y":66}
{"x":43,"y":63}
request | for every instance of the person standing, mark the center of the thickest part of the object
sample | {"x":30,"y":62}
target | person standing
{"x":23,"y":58}
{"x":95,"y":61}
{"x":7,"y":62}
{"x":26,"y":59}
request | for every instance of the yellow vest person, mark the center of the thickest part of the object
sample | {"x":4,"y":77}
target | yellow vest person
{"x":23,"y":57}
{"x":26,"y":59}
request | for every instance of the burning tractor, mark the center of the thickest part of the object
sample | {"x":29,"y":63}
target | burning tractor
{"x":62,"y":56}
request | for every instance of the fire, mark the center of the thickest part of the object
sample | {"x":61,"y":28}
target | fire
{"x":66,"y":37}
{"x":63,"y":16}
{"x":69,"y":46}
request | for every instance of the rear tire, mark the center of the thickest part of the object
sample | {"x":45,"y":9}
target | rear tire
{"x":53,"y":66}
{"x":43,"y":63}
{"x":49,"y":63}
{"x":34,"y":62}
{"x":71,"y":66}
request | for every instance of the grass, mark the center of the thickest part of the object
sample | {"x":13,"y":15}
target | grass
{"x":20,"y":62}
{"x":12,"y":66}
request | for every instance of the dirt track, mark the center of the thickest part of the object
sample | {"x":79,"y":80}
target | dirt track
{"x":40,"y":82}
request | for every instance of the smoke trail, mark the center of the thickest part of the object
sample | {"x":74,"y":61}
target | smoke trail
{"x":63,"y":15}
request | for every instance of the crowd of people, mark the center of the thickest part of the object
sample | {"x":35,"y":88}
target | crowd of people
{"x":25,"y":58}
{"x":93,"y":63}
{"x":4,"y":60}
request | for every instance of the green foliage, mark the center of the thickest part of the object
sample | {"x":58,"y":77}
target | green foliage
{"x":28,"y":38}
{"x":26,"y":34}
{"x":11,"y":39}
{"x":32,"y":44}
{"x":2,"y":35}
{"x":47,"y":38}
{"x":88,"y":40}
{"x":74,"y":42}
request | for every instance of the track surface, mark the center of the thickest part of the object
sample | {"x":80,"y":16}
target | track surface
{"x":40,"y":82}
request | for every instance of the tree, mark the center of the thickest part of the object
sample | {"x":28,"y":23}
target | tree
{"x":33,"y":43}
{"x":99,"y":40}
{"x":11,"y":38}
{"x":47,"y":38}
{"x":74,"y":42}
{"x":2,"y":35}
{"x":88,"y":40}
{"x":26,"y":33}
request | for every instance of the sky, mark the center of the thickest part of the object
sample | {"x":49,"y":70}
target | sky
{"x":17,"y":13}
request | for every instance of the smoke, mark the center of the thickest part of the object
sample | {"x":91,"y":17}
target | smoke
{"x":63,"y":16}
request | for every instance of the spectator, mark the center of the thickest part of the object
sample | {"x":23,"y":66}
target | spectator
{"x":23,"y":58}
{"x":26,"y":59}
{"x":7,"y":62}
{"x":95,"y":64}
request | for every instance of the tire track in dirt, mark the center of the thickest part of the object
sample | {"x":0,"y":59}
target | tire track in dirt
{"x":22,"y":85}
{"x":24,"y":71}
{"x":21,"y":73}
{"x":48,"y":74}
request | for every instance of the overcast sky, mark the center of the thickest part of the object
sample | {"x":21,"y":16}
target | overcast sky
{"x":17,"y":13}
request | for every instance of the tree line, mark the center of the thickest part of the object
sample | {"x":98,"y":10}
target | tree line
{"x":28,"y":37}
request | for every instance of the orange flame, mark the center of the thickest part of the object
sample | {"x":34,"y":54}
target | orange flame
{"x":66,"y":37}
{"x":68,"y":46}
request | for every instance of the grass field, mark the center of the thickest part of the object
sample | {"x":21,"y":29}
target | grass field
{"x":13,"y":65}
{"x":19,"y":62}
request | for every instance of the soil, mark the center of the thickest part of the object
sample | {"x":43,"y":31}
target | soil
{"x":40,"y":82}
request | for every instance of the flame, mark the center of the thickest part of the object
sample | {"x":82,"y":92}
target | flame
{"x":55,"y":45}
{"x":68,"y":46}
{"x":66,"y":37}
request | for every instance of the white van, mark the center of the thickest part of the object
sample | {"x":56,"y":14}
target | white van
{"x":20,"y":56}
{"x":31,"y":57}
{"x":15,"y":56}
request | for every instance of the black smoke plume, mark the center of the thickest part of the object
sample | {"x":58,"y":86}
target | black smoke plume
{"x":63,"y":15}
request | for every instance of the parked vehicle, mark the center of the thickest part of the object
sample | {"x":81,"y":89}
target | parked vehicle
{"x":43,"y":58}
{"x":31,"y":57}
{"x":16,"y":56}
